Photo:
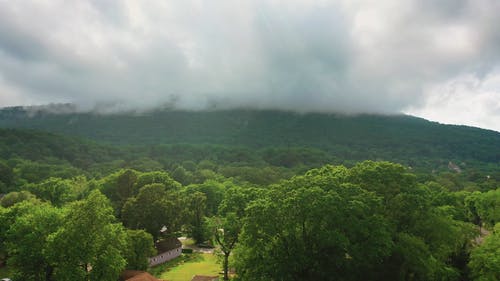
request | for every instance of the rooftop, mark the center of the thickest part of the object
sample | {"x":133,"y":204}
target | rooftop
{"x":134,"y":275}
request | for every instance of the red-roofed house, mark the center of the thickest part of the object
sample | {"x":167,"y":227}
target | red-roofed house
{"x":134,"y":275}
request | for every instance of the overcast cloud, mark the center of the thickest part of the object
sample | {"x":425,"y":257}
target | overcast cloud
{"x":438,"y":59}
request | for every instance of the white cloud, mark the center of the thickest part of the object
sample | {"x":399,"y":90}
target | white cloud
{"x":464,"y":100}
{"x":334,"y":56}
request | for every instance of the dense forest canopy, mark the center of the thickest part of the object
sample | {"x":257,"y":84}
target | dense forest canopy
{"x":283,"y":196}
{"x":266,"y":140}
{"x":354,"y":137}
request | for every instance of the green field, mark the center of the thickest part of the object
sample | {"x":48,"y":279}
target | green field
{"x":199,"y":264}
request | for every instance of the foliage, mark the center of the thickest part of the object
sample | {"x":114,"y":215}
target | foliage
{"x":89,"y":244}
{"x":262,"y":184}
{"x":15,"y":197}
{"x":138,"y":249}
{"x":27,"y":242}
{"x":213,"y":191}
{"x":226,"y":227}
{"x":250,"y":138}
{"x":195,"y":209}
{"x":6,"y":177}
{"x":372,"y":220}
{"x":313,"y":233}
{"x":58,"y":191}
{"x":119,"y":186}
{"x":488,"y":207}
{"x":152,"y":208}
{"x":485,"y":259}
{"x":484,"y":207}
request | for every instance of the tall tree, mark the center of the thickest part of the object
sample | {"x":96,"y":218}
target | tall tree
{"x":213,"y":190}
{"x":27,"y":242}
{"x":15,"y":197}
{"x":226,"y":231}
{"x":153,"y":208}
{"x":308,"y":233}
{"x":6,"y":177}
{"x":488,"y":207}
{"x":119,"y":186}
{"x":160,"y":177}
{"x":58,"y":191}
{"x":227,"y":225}
{"x":195,"y":215}
{"x":89,"y":244}
{"x":485,"y":259}
{"x":139,"y":249}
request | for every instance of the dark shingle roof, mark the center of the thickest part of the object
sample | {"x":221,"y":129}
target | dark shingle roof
{"x":168,"y":244}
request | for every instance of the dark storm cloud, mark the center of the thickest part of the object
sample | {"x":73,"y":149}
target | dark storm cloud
{"x":332,"y":56}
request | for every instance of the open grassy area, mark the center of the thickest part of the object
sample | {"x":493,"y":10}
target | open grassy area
{"x":187,"y":242}
{"x":189,"y":265}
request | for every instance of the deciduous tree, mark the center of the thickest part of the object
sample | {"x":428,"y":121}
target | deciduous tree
{"x":153,"y":208}
{"x":139,"y":248}
{"x":90,"y":244}
{"x":27,"y":242}
{"x":485,"y":259}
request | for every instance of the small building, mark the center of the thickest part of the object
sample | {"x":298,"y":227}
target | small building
{"x":205,"y":278}
{"x":168,"y":249}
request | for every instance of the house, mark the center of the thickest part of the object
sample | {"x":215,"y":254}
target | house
{"x":205,"y":278}
{"x":134,"y":275}
{"x":168,"y":249}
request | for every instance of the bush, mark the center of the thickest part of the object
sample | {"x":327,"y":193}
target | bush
{"x":187,"y":251}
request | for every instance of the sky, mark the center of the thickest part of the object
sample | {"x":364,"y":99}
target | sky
{"x":436,"y":59}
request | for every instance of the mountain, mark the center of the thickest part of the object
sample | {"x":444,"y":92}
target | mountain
{"x":400,"y":138}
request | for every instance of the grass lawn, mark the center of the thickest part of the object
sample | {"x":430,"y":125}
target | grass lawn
{"x":187,"y":242}
{"x":189,"y":265}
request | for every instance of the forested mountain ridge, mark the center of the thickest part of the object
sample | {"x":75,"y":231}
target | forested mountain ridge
{"x":399,"y":138}
{"x":290,"y":188}
{"x":39,"y":145}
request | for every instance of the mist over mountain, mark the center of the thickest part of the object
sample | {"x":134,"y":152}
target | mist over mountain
{"x":435,"y":59}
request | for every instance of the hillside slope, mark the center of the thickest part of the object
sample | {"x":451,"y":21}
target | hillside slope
{"x":400,"y":138}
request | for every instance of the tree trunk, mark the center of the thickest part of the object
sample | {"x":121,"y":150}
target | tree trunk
{"x":48,"y":273}
{"x":87,"y":273}
{"x":225,"y":265}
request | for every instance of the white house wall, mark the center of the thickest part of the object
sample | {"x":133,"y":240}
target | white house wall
{"x":165,"y":256}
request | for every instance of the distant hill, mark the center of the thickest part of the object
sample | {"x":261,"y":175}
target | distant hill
{"x":399,"y":138}
{"x":48,"y":147}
